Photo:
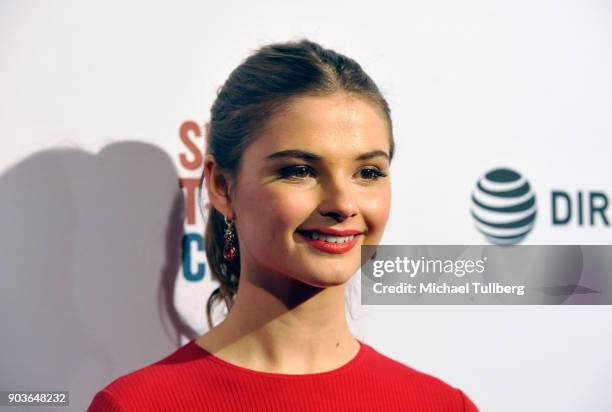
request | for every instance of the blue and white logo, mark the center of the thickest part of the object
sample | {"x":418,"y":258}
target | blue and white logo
{"x":503,"y":206}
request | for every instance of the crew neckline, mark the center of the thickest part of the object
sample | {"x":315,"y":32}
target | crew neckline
{"x":341,"y":369}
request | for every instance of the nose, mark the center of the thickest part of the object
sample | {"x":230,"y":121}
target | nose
{"x":338,"y":201}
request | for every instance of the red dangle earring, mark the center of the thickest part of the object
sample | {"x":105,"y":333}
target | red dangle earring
{"x":229,"y":251}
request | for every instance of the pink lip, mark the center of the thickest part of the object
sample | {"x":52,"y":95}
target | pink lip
{"x":331,"y":247}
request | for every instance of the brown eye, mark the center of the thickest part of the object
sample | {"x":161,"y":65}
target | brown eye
{"x":372,"y":173}
{"x":296,"y":171}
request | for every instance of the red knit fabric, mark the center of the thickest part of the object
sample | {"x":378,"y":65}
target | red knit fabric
{"x":193,"y":379}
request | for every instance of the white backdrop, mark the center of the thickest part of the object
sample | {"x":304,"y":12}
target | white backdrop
{"x":472,"y":85}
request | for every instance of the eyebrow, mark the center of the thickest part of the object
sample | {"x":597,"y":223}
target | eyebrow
{"x":302,"y":154}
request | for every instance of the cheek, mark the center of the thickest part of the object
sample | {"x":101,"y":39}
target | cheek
{"x":272,"y":213}
{"x":376,"y":211}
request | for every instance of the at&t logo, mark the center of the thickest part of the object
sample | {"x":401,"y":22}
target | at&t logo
{"x":503,"y":206}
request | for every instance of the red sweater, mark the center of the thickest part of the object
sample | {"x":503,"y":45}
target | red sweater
{"x":193,"y":379}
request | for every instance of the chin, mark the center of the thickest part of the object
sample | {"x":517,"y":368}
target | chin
{"x":323,"y":280}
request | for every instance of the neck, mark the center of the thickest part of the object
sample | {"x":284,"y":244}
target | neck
{"x":285,"y":326}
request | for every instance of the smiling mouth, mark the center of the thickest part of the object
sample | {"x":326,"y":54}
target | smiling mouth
{"x":327,"y":238}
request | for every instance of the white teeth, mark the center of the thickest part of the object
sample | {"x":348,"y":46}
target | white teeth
{"x":329,"y":238}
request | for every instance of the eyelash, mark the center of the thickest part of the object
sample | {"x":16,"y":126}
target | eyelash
{"x":290,"y":171}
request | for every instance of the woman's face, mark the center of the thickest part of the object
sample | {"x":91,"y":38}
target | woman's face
{"x":322,"y":164}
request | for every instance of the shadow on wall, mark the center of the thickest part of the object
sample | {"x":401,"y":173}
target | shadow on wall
{"x":89,"y":255}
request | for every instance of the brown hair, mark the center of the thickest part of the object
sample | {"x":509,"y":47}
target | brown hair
{"x":254,"y":91}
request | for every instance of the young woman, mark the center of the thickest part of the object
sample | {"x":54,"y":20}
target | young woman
{"x":297,"y":174}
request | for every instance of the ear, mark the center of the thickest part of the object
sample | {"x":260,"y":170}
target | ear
{"x":207,"y":130}
{"x":218,"y":185}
